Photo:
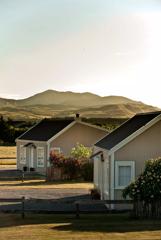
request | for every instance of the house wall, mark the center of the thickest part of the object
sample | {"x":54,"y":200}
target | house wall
{"x":78,"y":133}
{"x":102,"y":173}
{"x":37,"y":144}
{"x":144,"y":147}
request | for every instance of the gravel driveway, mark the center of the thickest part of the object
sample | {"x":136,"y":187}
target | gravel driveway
{"x":46,"y":193}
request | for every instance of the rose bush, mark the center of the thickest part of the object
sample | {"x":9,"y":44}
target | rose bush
{"x":56,"y":160}
{"x":147,"y":186}
{"x":70,"y":166}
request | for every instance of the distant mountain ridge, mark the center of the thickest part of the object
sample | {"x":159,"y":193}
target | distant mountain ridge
{"x":53,"y":103}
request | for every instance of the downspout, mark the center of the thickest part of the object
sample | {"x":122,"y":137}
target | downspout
{"x":112,"y":177}
{"x":102,"y":171}
{"x":47,"y":159}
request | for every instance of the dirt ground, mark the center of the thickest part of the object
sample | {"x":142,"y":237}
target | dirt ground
{"x":39,"y":195}
{"x":42,"y":189}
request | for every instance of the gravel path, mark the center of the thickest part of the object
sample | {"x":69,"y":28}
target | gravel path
{"x":65,"y":197}
{"x":46,"y":193}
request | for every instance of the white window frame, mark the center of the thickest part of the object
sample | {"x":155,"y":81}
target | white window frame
{"x":123,"y":164}
{"x":42,"y":159}
{"x":55,"y":148}
{"x":22,"y":154}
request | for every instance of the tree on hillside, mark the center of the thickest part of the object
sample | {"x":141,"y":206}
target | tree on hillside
{"x":6,"y":131}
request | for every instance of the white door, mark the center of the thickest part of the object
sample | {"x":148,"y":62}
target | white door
{"x":31,"y":158}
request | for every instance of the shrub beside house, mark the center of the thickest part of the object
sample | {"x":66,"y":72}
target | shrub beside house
{"x":145,"y":191}
{"x":76,"y":166}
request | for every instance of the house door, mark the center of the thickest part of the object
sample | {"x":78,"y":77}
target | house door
{"x":31,"y":157}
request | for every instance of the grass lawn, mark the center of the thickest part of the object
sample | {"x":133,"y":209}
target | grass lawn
{"x":59,"y":227}
{"x":6,"y":152}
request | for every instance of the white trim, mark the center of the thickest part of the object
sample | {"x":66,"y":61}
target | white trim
{"x":102,"y":178}
{"x":62,"y":131}
{"x":106,"y":193}
{"x":112,"y":183}
{"x":56,"y":148}
{"x":120,"y":164}
{"x":22,"y":155}
{"x":96,"y":170}
{"x":48,"y":156}
{"x":31,"y":157}
{"x":111,"y":179}
{"x":43,"y":165}
{"x":135,"y":134}
{"x":24,"y":141}
{"x":93,"y":126}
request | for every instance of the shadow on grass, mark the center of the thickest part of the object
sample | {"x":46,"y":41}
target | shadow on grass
{"x":113,"y":223}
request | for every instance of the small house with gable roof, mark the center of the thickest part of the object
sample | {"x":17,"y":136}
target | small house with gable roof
{"x":120,"y":156}
{"x":56,"y":135}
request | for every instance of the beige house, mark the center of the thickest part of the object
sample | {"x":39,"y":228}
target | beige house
{"x":120,"y":156}
{"x":35,"y":145}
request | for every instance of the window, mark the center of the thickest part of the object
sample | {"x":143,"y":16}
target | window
{"x":124,"y":173}
{"x":55,"y":150}
{"x":40,"y":157}
{"x":22,"y":154}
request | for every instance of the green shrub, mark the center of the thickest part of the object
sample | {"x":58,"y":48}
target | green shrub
{"x":81,"y":152}
{"x":95,"y":194}
{"x":71,"y":168}
{"x":87,"y":171}
{"x":147,"y":186}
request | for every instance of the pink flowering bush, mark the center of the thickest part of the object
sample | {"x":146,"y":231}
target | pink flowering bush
{"x":56,"y":160}
{"x":147,"y":187}
{"x":70,"y":166}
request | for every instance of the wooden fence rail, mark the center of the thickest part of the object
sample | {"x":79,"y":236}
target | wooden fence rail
{"x":18,"y":200}
{"x":77,"y":204}
{"x":110,"y":202}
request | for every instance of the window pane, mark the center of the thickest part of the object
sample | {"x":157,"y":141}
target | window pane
{"x":40,"y":157}
{"x":22,"y":155}
{"x":124,"y":175}
{"x":55,"y":151}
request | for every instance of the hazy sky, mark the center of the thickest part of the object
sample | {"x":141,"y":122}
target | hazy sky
{"x":108,"y":47}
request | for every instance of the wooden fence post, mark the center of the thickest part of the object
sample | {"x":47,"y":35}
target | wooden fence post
{"x":23,"y":208}
{"x":77,"y":210}
{"x":23,"y":174}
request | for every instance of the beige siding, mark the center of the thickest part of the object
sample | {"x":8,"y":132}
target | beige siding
{"x":78,"y":133}
{"x":143,"y":147}
{"x":37,"y":144}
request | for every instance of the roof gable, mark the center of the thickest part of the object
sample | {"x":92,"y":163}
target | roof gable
{"x":126,"y":129}
{"x":49,"y":129}
{"x":45,"y":129}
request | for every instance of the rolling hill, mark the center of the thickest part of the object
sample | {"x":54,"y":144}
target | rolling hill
{"x":52,"y":103}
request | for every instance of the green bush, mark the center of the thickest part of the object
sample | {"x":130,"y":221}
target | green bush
{"x":71,"y":168}
{"x":87,"y":171}
{"x":81,"y":152}
{"x":147,"y":186}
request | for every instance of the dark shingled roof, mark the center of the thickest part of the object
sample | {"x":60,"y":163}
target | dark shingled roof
{"x":126,"y":129}
{"x":46,"y":129}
